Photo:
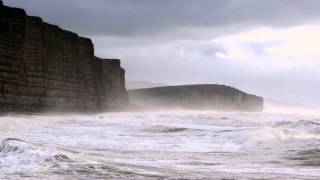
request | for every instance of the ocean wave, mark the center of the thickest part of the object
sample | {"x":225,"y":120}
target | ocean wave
{"x":310,"y":157}
{"x":13,"y":145}
{"x":167,"y":129}
{"x":300,"y":123}
{"x":19,"y":158}
{"x":311,"y":126}
{"x":158,"y":145}
{"x":24,"y":156}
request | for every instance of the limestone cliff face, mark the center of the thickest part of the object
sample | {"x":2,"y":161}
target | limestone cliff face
{"x":43,"y":67}
{"x":196,"y":97}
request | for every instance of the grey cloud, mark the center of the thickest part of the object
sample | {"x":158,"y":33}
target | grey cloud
{"x":149,"y":17}
{"x":194,"y":62}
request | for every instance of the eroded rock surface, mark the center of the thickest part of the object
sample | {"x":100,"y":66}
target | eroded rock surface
{"x":43,"y":67}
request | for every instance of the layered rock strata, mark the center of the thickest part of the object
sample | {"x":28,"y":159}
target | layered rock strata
{"x":43,"y":67}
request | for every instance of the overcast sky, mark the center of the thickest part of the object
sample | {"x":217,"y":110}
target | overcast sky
{"x":266,"y":47}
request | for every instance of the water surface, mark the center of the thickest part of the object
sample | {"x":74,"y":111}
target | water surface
{"x":161,"y":145}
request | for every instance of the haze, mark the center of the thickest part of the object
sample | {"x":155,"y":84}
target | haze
{"x":268,"y":48}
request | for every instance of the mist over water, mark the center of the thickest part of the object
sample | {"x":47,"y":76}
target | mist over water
{"x":161,"y":145}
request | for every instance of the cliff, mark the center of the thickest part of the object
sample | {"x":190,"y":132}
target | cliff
{"x":43,"y":67}
{"x":196,"y":97}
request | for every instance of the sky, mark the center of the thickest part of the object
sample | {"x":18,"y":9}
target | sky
{"x":268,"y":48}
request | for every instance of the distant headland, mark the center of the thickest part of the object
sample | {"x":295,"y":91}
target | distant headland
{"x":196,"y":97}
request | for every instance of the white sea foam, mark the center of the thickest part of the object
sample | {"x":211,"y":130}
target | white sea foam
{"x":158,"y":145}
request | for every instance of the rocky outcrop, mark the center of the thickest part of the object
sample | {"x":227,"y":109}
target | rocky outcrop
{"x":196,"y":97}
{"x":43,"y":67}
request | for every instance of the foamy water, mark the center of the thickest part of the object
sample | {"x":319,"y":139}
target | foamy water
{"x":161,"y":145}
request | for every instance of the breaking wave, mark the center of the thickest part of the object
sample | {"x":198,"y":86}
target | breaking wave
{"x":309,"y":157}
{"x":167,"y":129}
{"x":161,"y":145}
{"x":19,"y":151}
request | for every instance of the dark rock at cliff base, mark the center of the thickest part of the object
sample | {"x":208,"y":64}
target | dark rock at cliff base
{"x":196,"y":97}
{"x":43,"y":67}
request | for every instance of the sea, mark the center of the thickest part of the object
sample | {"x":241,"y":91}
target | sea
{"x":161,"y":145}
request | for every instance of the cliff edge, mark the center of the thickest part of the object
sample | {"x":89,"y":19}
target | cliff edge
{"x":196,"y":97}
{"x":43,"y":67}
